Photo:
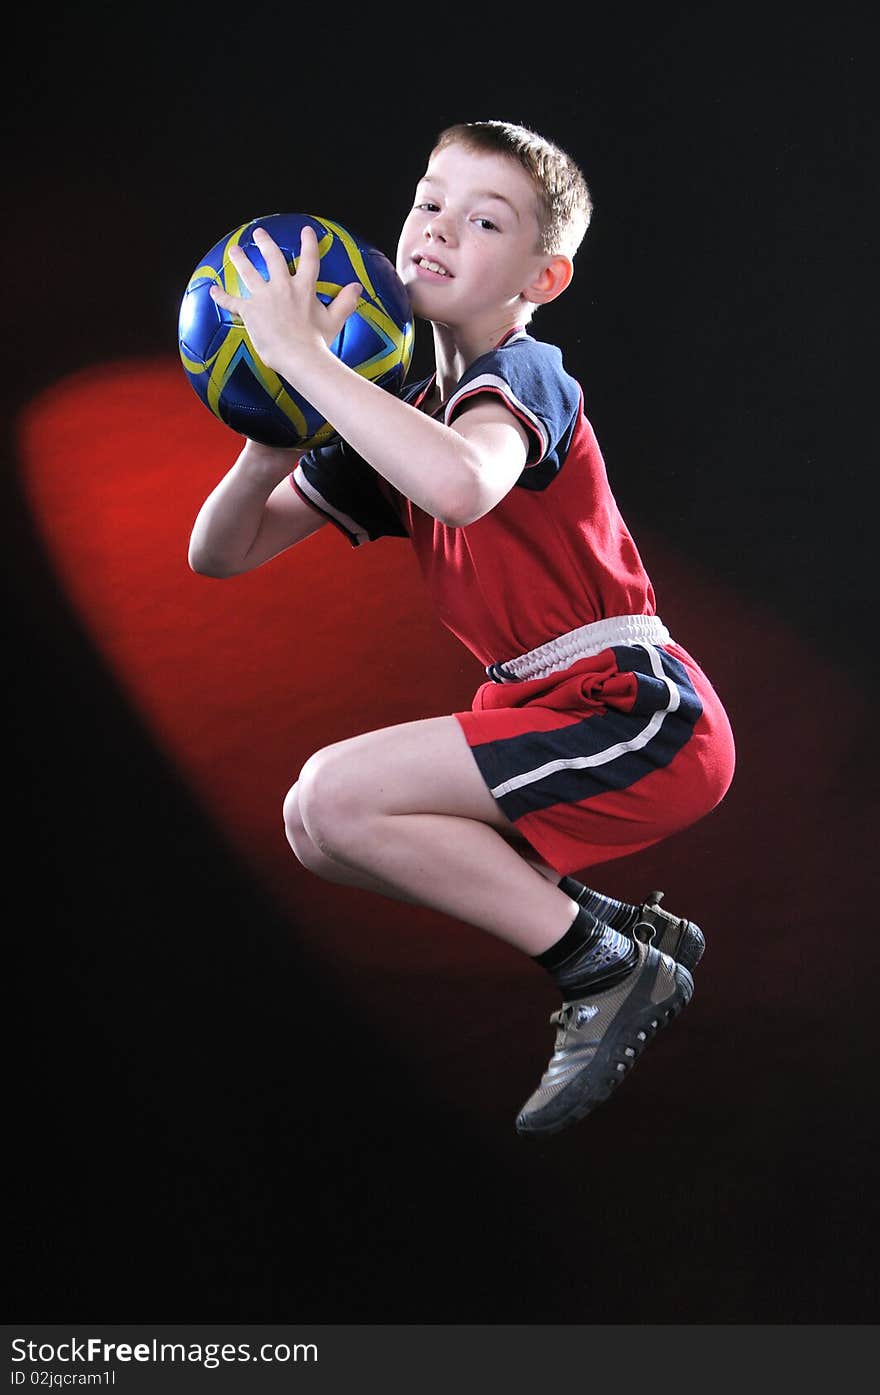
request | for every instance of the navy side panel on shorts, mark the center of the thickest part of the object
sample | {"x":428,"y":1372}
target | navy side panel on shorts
{"x":611,"y":751}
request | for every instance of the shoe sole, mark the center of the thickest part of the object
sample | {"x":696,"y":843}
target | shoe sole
{"x":610,"y":1065}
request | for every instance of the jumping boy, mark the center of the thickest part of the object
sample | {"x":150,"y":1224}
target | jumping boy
{"x":596,"y":734}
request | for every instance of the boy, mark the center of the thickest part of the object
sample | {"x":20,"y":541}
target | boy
{"x":596,"y":735}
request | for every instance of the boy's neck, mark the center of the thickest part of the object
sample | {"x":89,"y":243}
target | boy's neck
{"x":455,"y":350}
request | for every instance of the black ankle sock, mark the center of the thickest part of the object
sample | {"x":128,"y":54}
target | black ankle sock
{"x":590,"y":955}
{"x":617,"y":914}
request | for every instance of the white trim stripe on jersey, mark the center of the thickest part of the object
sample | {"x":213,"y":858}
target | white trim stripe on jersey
{"x":490,"y":382}
{"x":343,"y":519}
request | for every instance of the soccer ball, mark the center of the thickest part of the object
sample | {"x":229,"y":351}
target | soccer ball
{"x":220,"y":361}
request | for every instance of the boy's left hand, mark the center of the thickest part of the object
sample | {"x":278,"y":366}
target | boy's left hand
{"x":283,"y":316}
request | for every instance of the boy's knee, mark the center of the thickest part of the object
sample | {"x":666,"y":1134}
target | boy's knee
{"x":294,"y":827}
{"x":322,"y":803}
{"x":293,"y":824}
{"x":304,"y":848}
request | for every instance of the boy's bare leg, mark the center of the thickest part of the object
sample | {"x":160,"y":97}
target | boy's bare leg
{"x":342,"y":875}
{"x":546,"y":871}
{"x":325,"y":867}
{"x":406,"y":812}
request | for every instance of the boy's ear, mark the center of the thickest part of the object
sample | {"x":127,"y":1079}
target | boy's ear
{"x":553,"y":278}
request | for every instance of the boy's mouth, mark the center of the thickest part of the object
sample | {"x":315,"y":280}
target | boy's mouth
{"x":429,"y":264}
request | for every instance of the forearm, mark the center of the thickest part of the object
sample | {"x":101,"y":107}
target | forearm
{"x":429,"y":463}
{"x":228,"y":525}
{"x":291,"y":330}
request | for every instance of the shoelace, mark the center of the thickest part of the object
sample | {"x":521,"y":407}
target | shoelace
{"x":562,"y":1016}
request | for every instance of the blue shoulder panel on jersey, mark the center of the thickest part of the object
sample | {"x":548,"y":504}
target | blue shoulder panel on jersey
{"x":528,"y":375}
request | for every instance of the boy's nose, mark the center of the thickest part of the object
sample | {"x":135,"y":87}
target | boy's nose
{"x":439,"y":230}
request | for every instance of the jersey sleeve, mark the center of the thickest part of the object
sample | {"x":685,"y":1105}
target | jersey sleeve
{"x":529,"y":378}
{"x":340,"y":484}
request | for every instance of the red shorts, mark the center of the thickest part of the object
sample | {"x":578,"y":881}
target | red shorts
{"x":606,"y":757}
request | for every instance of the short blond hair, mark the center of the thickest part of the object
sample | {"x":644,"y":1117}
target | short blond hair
{"x":564,"y":202}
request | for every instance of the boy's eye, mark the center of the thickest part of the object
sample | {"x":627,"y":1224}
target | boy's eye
{"x":427,"y":206}
{"x":487,"y":223}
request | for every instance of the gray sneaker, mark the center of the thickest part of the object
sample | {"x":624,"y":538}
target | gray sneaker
{"x":681,"y":939}
{"x":600,"y":1037}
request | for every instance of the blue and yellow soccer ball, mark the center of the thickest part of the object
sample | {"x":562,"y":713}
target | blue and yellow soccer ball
{"x":222,"y":365}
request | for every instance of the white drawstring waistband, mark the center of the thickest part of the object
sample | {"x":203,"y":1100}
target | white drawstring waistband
{"x":582,"y":643}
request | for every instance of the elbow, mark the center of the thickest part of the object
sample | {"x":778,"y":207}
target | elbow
{"x":461,"y":517}
{"x":449,"y":518}
{"x":203,"y":564}
{"x":462,"y":504}
{"x":462,"y":509}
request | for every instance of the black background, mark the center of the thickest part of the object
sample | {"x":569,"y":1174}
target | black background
{"x":176,"y":1154}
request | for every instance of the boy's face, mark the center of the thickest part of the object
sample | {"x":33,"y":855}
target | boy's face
{"x":468,"y":247}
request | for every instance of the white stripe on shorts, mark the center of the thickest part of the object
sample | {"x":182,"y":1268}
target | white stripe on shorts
{"x":620,"y":748}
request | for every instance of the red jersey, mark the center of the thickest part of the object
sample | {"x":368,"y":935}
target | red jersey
{"x":614,"y":751}
{"x":552,"y":555}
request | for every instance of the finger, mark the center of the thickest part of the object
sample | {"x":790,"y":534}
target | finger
{"x":247,"y":272}
{"x":276,"y":262}
{"x":309,"y":260}
{"x":225,"y":300}
{"x":344,"y":305}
